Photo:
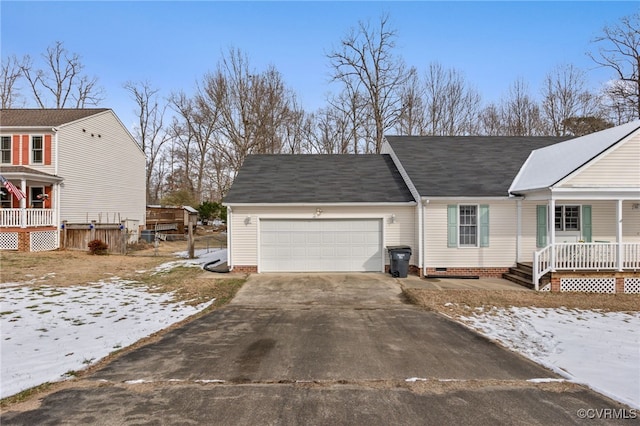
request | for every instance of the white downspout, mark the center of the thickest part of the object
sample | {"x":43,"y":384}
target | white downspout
{"x":57,"y":187}
{"x":551,"y":226}
{"x":229,"y":220}
{"x":619,"y":234}
{"x":420,"y":239}
{"x":423,"y":254}
{"x":518,"y":228}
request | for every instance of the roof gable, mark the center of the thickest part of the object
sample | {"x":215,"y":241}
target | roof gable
{"x":282,"y":178}
{"x":547,"y":166}
{"x":618,"y":166}
{"x":44,"y":117}
{"x":464,"y":166}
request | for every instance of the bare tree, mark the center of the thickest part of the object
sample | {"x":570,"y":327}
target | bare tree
{"x":365,"y":63}
{"x":257,"y":111}
{"x":490,"y":121}
{"x":11,"y":73}
{"x":61,"y":83}
{"x":564,"y":96}
{"x":452,"y":106}
{"x":200,"y":121}
{"x":412,"y":118}
{"x":520,"y":113}
{"x":150,"y":130}
{"x":619,"y":50}
{"x":349,"y":112}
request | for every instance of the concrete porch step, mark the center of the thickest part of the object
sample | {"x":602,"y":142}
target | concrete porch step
{"x":518,"y":279}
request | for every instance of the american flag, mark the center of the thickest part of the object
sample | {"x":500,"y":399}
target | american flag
{"x":12,"y":188}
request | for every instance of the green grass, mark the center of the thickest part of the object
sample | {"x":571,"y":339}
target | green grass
{"x":24,"y":395}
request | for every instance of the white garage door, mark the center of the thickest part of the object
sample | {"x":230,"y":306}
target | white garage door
{"x":321,"y":245}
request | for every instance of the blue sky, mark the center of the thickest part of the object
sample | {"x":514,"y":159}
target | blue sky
{"x":172,"y":44}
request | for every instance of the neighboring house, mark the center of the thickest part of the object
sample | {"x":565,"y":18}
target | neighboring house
{"x":467,"y":206}
{"x":73,"y":165}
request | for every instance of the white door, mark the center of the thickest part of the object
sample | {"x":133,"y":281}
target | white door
{"x":321,"y":245}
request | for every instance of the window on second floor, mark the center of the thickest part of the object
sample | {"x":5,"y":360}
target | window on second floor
{"x":5,"y":149}
{"x":37,"y":150}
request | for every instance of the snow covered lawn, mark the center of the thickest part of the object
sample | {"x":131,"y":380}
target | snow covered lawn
{"x":49,"y":332}
{"x":599,"y":349}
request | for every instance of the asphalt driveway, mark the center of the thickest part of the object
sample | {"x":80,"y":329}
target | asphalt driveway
{"x":319,"y":349}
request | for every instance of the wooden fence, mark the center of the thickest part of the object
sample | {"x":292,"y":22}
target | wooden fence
{"x":76,"y":236}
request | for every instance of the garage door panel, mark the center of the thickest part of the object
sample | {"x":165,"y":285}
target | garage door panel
{"x":320,"y":245}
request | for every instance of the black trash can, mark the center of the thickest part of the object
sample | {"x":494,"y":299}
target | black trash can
{"x":399,"y":260}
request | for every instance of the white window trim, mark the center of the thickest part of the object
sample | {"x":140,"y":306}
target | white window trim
{"x":9,"y":196}
{"x":469,"y":246}
{"x":10,"y":149}
{"x":31,"y":197}
{"x":572,"y":231}
{"x":31,"y":149}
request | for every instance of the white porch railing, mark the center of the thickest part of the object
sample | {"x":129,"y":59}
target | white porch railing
{"x":26,"y":218}
{"x":584,"y":256}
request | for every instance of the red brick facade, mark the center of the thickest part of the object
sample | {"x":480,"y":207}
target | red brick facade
{"x":247,"y":269}
{"x":480,"y":272}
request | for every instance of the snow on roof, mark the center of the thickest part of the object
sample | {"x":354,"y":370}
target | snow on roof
{"x":546,"y":166}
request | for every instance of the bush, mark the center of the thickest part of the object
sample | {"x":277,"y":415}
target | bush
{"x":98,"y":247}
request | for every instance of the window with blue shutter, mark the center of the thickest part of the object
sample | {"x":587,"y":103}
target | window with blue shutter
{"x":541,"y":226}
{"x":452,"y":225}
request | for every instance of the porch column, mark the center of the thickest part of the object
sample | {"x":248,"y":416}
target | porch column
{"x":551,"y":228}
{"x":518,"y":228}
{"x":619,"y":234}
{"x":23,"y":204}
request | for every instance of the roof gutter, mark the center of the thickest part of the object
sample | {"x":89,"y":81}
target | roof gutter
{"x":405,"y":203}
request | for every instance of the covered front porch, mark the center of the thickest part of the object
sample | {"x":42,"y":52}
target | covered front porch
{"x":592,"y":245}
{"x":29,"y":213}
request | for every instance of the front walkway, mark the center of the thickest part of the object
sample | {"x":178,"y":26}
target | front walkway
{"x":460,"y":284}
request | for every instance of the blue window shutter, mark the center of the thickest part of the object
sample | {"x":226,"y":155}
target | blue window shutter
{"x":484,"y":225}
{"x":587,"y":229}
{"x":452,"y":225}
{"x":541,"y":226}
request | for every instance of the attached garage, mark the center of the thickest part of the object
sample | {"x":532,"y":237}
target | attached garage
{"x":317,"y":213}
{"x":321,"y":245}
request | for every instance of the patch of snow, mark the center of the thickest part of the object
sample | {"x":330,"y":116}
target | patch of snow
{"x":136,"y":382}
{"x":47,"y":332}
{"x":599,"y":349}
{"x":546,"y":380}
{"x":201,"y":258}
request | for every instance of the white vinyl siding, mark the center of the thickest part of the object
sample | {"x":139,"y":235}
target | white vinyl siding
{"x":104,"y":174}
{"x":619,"y":167}
{"x":603,"y":223}
{"x":245,"y":220}
{"x":501,"y":245}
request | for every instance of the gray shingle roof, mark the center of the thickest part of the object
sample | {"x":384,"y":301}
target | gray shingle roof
{"x":318,"y":179}
{"x":461,"y":166}
{"x":44,"y":117}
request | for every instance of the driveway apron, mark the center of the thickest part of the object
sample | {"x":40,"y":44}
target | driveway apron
{"x":318,"y":349}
